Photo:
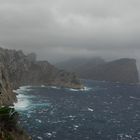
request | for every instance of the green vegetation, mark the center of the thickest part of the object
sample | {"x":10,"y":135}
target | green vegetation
{"x":8,"y":118}
{"x":8,"y":122}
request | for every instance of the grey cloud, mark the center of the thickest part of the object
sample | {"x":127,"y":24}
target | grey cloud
{"x":60,"y":29}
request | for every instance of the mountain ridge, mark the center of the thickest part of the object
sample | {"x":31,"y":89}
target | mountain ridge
{"x":122,"y":70}
{"x":26,"y":70}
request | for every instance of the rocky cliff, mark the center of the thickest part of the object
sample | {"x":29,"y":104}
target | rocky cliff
{"x":122,"y":70}
{"x":26,"y":70}
{"x":7,"y":97}
{"x":18,"y":69}
{"x":9,"y":129}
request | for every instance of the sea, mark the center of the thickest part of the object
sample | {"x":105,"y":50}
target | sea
{"x":101,"y":111}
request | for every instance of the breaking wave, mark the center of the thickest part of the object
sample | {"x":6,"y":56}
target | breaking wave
{"x":82,"y":89}
{"x":23,"y":99}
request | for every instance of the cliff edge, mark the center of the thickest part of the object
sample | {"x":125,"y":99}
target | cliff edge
{"x":7,"y":97}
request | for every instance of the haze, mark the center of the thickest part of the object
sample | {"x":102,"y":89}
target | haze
{"x":61,"y":29}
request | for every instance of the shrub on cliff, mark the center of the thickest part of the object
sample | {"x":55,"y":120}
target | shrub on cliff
{"x":8,"y":118}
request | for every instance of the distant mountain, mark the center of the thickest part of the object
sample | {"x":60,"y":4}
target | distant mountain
{"x":122,"y":70}
{"x":77,"y":64}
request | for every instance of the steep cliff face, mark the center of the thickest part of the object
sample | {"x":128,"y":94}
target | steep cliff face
{"x":9,"y":129}
{"x":7,"y":97}
{"x":26,"y":70}
{"x":122,"y":70}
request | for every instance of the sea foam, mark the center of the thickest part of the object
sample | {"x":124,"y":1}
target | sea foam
{"x":22,"y":89}
{"x":23,"y":102}
{"x":82,"y":89}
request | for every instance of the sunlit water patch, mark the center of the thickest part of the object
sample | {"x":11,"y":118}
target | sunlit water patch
{"x":103,"y":111}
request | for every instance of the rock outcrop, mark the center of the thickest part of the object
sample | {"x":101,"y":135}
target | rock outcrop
{"x":7,"y":97}
{"x":122,"y":70}
{"x":26,"y":70}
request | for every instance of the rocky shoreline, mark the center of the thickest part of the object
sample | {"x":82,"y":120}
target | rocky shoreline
{"x":18,"y":69}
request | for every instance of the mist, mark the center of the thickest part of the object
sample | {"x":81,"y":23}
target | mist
{"x":58,"y":30}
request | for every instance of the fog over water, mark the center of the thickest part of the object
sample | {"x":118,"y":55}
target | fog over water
{"x":61,"y":29}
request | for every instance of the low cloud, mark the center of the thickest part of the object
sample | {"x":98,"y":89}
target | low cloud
{"x":58,"y":30}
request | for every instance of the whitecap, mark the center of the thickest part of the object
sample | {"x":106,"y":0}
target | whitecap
{"x":39,"y":121}
{"x":55,"y":87}
{"x":39,"y":138}
{"x":22,"y":104}
{"x":75,"y":127}
{"x":43,"y":86}
{"x":71,"y":89}
{"x":90,"y":109}
{"x":82,"y":89}
{"x":85,"y":89}
{"x":22,"y":89}
{"x":135,"y":98}
{"x":49,"y":135}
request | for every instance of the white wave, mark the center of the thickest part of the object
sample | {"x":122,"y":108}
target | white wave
{"x":43,"y":86}
{"x":49,"y":135}
{"x":82,"y":89}
{"x":90,"y":109}
{"x":55,"y":87}
{"x":39,"y":121}
{"x":75,"y":127}
{"x":23,"y":99}
{"x":22,"y":89}
{"x":22,"y":102}
{"x":85,"y":89}
{"x":134,"y":98}
{"x":72,"y":89}
{"x":39,"y":138}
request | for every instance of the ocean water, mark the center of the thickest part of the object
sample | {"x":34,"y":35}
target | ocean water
{"x":102,"y":111}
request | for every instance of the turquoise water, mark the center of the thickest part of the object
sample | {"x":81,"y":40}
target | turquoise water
{"x":102,"y":111}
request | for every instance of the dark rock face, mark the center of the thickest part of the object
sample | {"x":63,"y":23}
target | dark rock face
{"x":123,"y":70}
{"x":7,"y":97}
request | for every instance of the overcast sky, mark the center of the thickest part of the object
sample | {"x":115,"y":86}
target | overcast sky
{"x":59,"y":29}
